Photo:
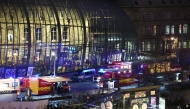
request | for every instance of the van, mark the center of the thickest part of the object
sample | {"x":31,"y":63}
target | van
{"x":86,"y":74}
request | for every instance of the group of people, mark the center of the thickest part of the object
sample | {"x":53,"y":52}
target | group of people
{"x":57,"y":88}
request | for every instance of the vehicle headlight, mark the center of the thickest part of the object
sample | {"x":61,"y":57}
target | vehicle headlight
{"x":98,"y":78}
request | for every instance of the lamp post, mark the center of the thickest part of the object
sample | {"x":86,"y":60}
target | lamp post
{"x":15,"y":55}
{"x":54,"y":65}
{"x":171,"y":46}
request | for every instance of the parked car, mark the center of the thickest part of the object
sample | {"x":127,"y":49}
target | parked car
{"x":86,"y":74}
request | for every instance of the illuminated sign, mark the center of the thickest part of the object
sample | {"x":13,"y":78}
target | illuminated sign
{"x":153,"y":101}
{"x":162,"y":103}
{"x":140,"y":94}
{"x":159,"y":67}
{"x":152,"y":92}
{"x":175,"y":69}
{"x":127,"y":95}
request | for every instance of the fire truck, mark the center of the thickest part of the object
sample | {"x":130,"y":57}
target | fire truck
{"x":42,"y":85}
{"x":119,"y":71}
{"x":160,"y":69}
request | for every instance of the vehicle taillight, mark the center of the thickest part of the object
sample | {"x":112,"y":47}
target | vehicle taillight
{"x":88,"y":97}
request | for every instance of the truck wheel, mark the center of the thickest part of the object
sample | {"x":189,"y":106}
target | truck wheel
{"x":92,"y":79}
{"x":73,"y":80}
{"x":67,"y":90}
{"x":80,"y":80}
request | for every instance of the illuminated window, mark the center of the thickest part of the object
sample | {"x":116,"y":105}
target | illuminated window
{"x":62,"y":14}
{"x":38,"y":33}
{"x":22,"y":14}
{"x":25,"y":34}
{"x":180,"y":28}
{"x":68,"y":15}
{"x":154,"y":30}
{"x":149,"y":16}
{"x":144,"y":16}
{"x":41,"y":14}
{"x":184,"y":44}
{"x":172,"y":29}
{"x":29,"y":14}
{"x":163,"y":16}
{"x":10,"y":35}
{"x":185,"y":29}
{"x":50,"y":14}
{"x":167,"y":29}
{"x":35,"y":14}
{"x":53,"y":33}
{"x":12,"y":15}
{"x":179,"y":45}
{"x":173,"y":15}
{"x":65,"y":31}
{"x":143,"y":48}
{"x":148,"y":46}
{"x":153,"y":45}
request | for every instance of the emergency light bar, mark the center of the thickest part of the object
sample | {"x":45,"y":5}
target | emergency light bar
{"x":118,"y":70}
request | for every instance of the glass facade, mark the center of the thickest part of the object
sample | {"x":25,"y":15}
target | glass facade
{"x":68,"y":31}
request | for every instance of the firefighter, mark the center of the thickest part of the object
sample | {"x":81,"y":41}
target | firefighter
{"x":52,"y":89}
{"x":66,"y":87}
{"x":59,"y":89}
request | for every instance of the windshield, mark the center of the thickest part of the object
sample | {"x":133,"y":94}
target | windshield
{"x":99,"y":74}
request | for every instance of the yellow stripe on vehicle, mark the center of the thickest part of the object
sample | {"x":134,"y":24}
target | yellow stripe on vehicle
{"x":44,"y":88}
{"x":126,"y":80}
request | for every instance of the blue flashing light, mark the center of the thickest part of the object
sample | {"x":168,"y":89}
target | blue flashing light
{"x":88,"y":70}
{"x":116,"y":68}
{"x":36,"y":75}
{"x":101,"y":70}
{"x":11,"y":78}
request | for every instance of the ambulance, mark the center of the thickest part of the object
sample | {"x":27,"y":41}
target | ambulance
{"x":9,"y":85}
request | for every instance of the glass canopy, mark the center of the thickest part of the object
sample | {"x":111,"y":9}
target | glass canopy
{"x":76,"y":32}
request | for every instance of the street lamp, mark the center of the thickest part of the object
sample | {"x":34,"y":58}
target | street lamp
{"x":172,"y":38}
{"x":171,"y":46}
{"x":15,"y":56}
{"x":54,"y":66}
